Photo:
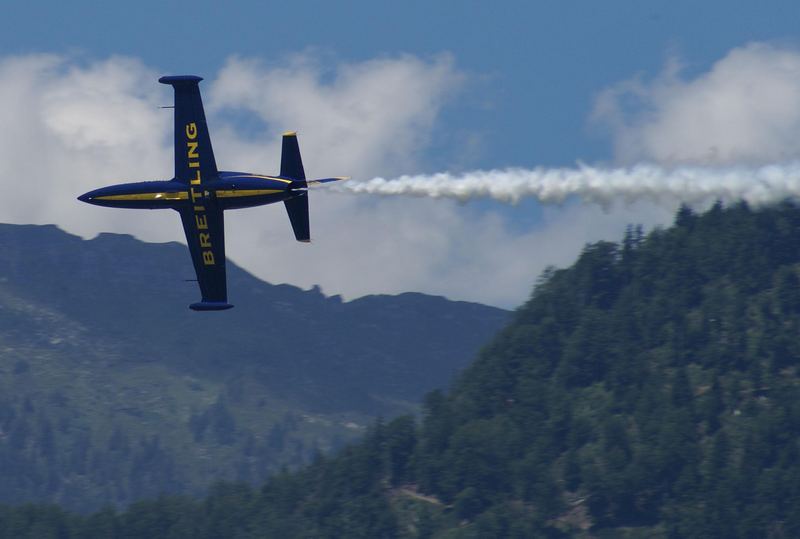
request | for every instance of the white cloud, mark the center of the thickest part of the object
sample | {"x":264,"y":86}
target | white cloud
{"x":375,"y":118}
{"x":365,"y":119}
{"x":392,"y":245}
{"x":744,"y":110}
{"x":68,"y":128}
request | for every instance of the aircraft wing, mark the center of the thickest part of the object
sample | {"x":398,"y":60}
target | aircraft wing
{"x":193,"y":152}
{"x":206,"y":239}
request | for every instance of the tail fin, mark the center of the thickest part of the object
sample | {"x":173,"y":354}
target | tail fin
{"x":292,"y":167}
{"x":297,"y":208}
{"x":291,"y":162}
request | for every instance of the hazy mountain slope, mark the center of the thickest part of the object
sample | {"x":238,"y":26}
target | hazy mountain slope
{"x":111,"y":389}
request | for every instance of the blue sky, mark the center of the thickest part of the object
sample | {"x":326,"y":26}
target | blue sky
{"x":524,"y":80}
{"x":535,"y":66}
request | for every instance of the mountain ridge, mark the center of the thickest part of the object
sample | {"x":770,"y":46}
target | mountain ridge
{"x":100,"y":360}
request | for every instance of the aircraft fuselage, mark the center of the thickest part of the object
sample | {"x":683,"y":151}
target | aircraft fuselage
{"x":231,"y":190}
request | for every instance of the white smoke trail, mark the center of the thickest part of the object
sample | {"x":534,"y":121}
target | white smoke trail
{"x":688,"y":184}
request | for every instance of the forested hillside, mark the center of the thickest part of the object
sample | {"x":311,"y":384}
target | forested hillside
{"x":651,"y":390}
{"x":111,"y":390}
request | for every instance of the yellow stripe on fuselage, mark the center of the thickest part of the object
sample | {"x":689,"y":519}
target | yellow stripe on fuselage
{"x":181,"y":195}
{"x":231,"y":193}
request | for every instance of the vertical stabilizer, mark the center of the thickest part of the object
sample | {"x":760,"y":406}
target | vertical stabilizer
{"x":297,"y":208}
{"x":291,"y":162}
{"x":292,"y":167}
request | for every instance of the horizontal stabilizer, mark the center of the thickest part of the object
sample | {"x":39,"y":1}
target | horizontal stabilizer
{"x":210,"y":306}
{"x":328,"y":180}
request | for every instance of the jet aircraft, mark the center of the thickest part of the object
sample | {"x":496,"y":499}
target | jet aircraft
{"x":200,"y":193}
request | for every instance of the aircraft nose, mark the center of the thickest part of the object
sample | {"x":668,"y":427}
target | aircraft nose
{"x":89,"y":197}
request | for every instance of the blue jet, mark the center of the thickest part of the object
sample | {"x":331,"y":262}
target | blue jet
{"x":200,"y":193}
